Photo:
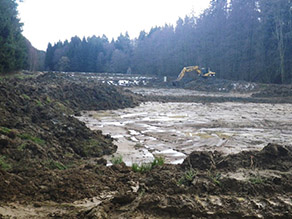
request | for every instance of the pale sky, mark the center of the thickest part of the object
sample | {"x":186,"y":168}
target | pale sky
{"x":53,"y":20}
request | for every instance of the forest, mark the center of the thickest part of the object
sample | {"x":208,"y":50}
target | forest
{"x":16,"y":52}
{"x":247,"y":40}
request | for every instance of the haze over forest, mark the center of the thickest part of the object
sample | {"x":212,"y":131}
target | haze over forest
{"x":240,"y":40}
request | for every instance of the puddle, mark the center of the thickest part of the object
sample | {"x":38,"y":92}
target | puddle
{"x":174,"y":130}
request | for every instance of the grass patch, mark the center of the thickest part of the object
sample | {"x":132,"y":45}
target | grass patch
{"x":215,"y":178}
{"x":56,"y":165}
{"x":4,"y":165}
{"x":21,"y":147}
{"x":146,"y":167}
{"x":143,"y":168}
{"x":48,"y":99}
{"x":36,"y":140}
{"x":91,"y":147}
{"x":158,"y":161}
{"x":188,"y":177}
{"x":256,"y":180}
{"x":24,"y":96}
{"x":117,"y":160}
{"x":39,"y":103}
{"x":4,"y":130}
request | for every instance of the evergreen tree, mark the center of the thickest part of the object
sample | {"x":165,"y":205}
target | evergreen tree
{"x":13,"y":50}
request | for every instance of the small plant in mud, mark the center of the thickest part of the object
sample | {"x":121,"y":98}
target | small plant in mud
{"x":117,"y":160}
{"x":3,"y":164}
{"x":188,"y":177}
{"x":39,"y":103}
{"x":24,"y":96}
{"x":4,"y":130}
{"x":215,"y":178}
{"x":145,"y":167}
{"x":48,"y":99}
{"x":36,"y":140}
{"x":158,"y":161}
{"x":51,"y":164}
{"x":21,"y":147}
{"x":256,"y":180}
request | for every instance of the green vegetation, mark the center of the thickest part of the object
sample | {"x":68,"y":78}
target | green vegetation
{"x":36,"y":140}
{"x":25,"y":96}
{"x":48,"y":99}
{"x":90,"y":148}
{"x":117,"y":160}
{"x":188,"y":177}
{"x":143,"y":168}
{"x":21,"y":147}
{"x":256,"y":180}
{"x":51,"y":164}
{"x":38,"y":102}
{"x":215,"y":178}
{"x":3,"y":164}
{"x":146,"y":167}
{"x":4,"y":130}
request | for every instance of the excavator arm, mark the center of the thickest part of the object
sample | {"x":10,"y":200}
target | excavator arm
{"x":188,"y":69}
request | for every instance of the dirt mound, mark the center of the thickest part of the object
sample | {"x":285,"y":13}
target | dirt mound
{"x":37,"y":127}
{"x":272,"y":157}
{"x":273,"y":90}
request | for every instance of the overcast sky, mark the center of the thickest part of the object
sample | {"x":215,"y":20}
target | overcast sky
{"x":53,"y":20}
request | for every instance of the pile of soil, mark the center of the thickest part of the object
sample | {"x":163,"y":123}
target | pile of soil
{"x":273,"y":90}
{"x":38,"y":128}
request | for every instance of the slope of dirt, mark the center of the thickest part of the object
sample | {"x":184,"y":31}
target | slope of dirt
{"x":274,"y":90}
{"x":37,"y":129}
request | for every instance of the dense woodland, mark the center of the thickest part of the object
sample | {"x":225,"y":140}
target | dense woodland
{"x":238,"y":39}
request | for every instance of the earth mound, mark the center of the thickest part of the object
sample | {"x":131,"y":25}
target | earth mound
{"x":38,"y":127}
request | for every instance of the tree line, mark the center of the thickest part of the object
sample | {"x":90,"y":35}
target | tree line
{"x":239,"y":39}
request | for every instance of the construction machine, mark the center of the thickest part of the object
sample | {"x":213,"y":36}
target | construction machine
{"x":205,"y":73}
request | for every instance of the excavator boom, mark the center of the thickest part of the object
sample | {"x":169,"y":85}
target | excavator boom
{"x":188,"y":69}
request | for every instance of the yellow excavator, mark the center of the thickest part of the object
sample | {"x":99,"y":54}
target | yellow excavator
{"x":202,"y":73}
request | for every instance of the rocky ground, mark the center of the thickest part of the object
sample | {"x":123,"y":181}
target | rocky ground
{"x":51,"y":165}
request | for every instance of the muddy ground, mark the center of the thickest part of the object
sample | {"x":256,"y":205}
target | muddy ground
{"x":51,"y":164}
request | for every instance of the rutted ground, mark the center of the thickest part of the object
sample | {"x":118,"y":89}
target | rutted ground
{"x":51,"y":166}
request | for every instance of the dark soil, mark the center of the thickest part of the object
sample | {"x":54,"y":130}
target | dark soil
{"x":38,"y":128}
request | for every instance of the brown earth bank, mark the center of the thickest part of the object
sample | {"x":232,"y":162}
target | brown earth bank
{"x":50,"y":165}
{"x":206,"y":185}
{"x":37,"y":126}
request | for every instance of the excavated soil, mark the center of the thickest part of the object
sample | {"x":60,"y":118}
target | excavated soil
{"x":51,"y":165}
